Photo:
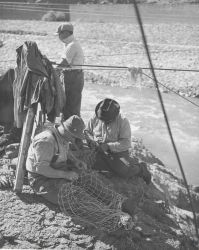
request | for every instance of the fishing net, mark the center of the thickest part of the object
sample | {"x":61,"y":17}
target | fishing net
{"x":88,"y":156}
{"x":89,"y":200}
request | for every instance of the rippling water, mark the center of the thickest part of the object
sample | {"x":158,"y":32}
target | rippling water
{"x":147,"y":122}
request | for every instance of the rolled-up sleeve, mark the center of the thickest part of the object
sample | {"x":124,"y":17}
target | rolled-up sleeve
{"x":124,"y":138}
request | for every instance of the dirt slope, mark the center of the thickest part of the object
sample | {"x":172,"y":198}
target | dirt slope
{"x":163,"y":220}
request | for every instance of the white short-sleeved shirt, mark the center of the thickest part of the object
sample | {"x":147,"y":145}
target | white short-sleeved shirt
{"x":73,"y":52}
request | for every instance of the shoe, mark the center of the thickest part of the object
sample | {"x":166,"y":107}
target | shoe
{"x":144,"y":173}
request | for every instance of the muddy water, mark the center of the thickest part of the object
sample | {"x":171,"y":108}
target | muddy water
{"x":147,"y":122}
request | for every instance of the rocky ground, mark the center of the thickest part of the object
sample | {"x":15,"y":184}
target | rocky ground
{"x":162,"y":217}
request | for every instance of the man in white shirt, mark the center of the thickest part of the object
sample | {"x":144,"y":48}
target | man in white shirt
{"x":72,"y":75}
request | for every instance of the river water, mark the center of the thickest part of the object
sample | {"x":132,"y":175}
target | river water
{"x":142,"y":108}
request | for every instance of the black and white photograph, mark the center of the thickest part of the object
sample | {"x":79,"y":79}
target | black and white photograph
{"x":99,"y":124}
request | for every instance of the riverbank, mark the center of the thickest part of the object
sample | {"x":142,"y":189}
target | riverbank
{"x":162,"y":218}
{"x":172,"y":45}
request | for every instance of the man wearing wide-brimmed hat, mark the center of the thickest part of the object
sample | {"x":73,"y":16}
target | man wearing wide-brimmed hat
{"x":111,"y":132}
{"x":72,"y":73}
{"x":48,"y":158}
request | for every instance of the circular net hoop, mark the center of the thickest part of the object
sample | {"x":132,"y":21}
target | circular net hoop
{"x":90,"y":201}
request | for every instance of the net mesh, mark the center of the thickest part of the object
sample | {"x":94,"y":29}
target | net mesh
{"x":88,"y":156}
{"x":90,"y":201}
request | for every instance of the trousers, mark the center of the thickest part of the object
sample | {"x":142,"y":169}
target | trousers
{"x":49,"y":189}
{"x":119,"y":163}
{"x":74,"y":82}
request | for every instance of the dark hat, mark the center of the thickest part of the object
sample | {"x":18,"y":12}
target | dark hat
{"x":75,"y":126}
{"x":107,"y":110}
{"x":63,"y":27}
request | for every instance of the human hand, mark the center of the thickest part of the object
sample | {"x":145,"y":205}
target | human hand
{"x":71,"y":176}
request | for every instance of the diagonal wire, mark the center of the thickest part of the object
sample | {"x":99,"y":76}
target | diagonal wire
{"x":125,"y":67}
{"x":102,"y":67}
{"x":144,"y":39}
{"x":171,"y":90}
{"x":106,"y":67}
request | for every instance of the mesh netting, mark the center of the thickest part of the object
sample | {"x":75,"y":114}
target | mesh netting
{"x":90,"y":201}
{"x":88,"y":156}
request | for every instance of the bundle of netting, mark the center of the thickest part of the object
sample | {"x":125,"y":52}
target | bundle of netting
{"x":90,"y":201}
{"x":88,"y":156}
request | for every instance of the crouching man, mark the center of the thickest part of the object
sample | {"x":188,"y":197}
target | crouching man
{"x":109,"y":131}
{"x":47,"y":161}
{"x":49,"y":167}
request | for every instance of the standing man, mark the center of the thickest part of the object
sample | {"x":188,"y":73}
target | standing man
{"x":73,"y":76}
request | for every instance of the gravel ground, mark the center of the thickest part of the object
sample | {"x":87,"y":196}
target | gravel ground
{"x":162,"y":220}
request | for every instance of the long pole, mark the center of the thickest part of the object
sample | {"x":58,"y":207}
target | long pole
{"x":23,"y":150}
{"x":164,"y":112}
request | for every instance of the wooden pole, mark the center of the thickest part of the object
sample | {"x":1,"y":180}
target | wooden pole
{"x":23,"y":150}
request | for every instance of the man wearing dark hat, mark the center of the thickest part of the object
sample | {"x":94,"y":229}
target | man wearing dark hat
{"x":47,"y":161}
{"x":48,"y":166}
{"x":72,"y":76}
{"x":112,"y":133}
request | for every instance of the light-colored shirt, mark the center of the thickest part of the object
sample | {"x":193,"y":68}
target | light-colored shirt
{"x":116,"y":134}
{"x":73,"y":52}
{"x":43,"y":148}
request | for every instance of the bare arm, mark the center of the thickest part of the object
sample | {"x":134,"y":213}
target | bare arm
{"x":50,"y":172}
